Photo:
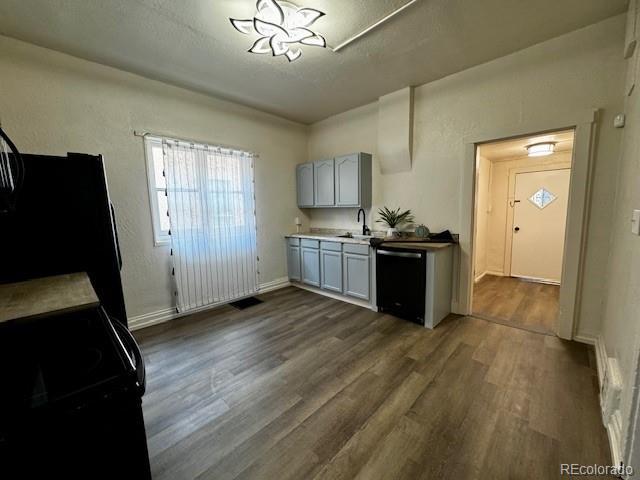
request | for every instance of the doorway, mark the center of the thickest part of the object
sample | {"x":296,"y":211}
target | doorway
{"x":521,"y":204}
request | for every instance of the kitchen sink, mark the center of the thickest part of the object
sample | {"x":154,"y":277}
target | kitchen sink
{"x":356,"y":237}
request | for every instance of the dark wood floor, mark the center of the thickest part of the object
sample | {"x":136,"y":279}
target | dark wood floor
{"x":307,"y":387}
{"x":511,"y":301}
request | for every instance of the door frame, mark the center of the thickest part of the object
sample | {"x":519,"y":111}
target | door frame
{"x":508,"y":244}
{"x":585,"y":124}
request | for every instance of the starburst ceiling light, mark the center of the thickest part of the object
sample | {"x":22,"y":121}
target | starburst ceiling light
{"x":282,"y":27}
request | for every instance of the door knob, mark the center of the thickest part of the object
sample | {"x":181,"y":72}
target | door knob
{"x":517,"y":229}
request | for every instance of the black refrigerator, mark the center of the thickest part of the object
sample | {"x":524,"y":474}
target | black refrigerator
{"x":64,"y":222}
{"x":73,"y":382}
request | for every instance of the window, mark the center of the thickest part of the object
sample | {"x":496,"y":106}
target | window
{"x":542,"y":198}
{"x":203,"y":203}
{"x":157,"y":190}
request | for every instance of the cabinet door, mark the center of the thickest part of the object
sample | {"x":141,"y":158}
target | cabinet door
{"x":347,"y":172}
{"x":356,"y":275}
{"x":293,"y":262}
{"x":304,"y":182}
{"x":311,"y":266}
{"x":323,"y":182}
{"x":331,"y":270}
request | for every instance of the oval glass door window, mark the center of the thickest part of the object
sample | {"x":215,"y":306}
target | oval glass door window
{"x":542,"y":198}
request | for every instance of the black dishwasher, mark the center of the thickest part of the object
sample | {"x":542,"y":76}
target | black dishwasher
{"x":401,"y":282}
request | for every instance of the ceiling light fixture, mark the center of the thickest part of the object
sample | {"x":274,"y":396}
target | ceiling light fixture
{"x":541,"y":149}
{"x":282,"y":26}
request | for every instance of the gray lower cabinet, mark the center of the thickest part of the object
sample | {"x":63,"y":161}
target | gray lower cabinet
{"x":356,"y":274}
{"x":323,"y":183}
{"x":331,"y":270}
{"x":293,"y":262}
{"x":304,"y":184}
{"x":310,"y":260}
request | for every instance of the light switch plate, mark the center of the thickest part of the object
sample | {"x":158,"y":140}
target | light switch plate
{"x":635,"y":222}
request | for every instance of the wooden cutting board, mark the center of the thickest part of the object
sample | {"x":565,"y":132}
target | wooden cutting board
{"x":47,"y":296}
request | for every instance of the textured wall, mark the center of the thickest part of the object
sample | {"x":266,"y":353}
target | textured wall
{"x":621,"y":322}
{"x":577,"y":71}
{"x":53,"y":103}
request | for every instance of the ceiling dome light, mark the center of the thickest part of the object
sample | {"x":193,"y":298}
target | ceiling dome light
{"x":541,"y":149}
{"x":282,"y":26}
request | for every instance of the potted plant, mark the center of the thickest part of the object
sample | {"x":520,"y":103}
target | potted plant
{"x":393,"y":219}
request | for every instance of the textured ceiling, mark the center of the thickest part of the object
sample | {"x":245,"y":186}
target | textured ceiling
{"x":517,"y":147}
{"x":190,"y":43}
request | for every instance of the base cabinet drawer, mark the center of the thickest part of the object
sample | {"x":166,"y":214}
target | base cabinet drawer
{"x":331,"y":270}
{"x":293,"y":262}
{"x":356,"y":275}
{"x":310,"y":261}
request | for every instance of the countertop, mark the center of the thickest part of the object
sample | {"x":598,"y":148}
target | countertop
{"x":328,"y":237}
{"x":47,"y":296}
{"x":332,"y":237}
{"x":416,"y":246}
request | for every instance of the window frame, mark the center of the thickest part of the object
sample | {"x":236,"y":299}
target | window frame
{"x":161,"y":237}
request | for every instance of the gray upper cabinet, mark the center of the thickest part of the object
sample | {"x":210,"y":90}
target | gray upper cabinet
{"x":348,"y":180}
{"x":323,"y":183}
{"x":344,"y":181}
{"x":304,"y":183}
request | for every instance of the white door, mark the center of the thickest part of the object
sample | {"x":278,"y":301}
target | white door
{"x":539,"y":219}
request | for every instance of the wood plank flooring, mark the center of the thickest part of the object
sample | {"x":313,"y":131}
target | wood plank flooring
{"x":511,"y":301}
{"x":306,"y":387}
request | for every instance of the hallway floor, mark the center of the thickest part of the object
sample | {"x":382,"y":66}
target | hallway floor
{"x":514,"y":302}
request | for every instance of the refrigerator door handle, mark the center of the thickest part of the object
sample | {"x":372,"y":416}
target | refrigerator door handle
{"x":115,"y":233}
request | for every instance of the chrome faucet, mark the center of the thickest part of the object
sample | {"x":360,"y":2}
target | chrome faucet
{"x":365,"y":230}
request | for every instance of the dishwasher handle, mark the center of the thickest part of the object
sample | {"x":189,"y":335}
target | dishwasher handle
{"x":390,"y":253}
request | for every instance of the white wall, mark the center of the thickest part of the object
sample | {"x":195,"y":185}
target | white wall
{"x":497,"y":237}
{"x":621,"y":322}
{"x":53,"y":103}
{"x":483,"y":212}
{"x":571,"y":73}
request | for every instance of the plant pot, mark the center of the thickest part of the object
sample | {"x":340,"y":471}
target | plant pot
{"x":392,"y":232}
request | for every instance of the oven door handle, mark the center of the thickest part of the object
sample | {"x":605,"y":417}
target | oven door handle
{"x":132,"y":346}
{"x":389,"y":253}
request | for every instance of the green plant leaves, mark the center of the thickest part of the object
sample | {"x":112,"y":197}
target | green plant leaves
{"x":394,"y":218}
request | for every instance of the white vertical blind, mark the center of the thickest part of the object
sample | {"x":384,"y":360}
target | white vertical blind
{"x":210,"y":194}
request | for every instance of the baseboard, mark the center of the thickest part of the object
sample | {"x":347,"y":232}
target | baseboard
{"x":480,"y":277}
{"x":336,"y":296}
{"x":610,"y":382}
{"x":152,"y":318}
{"x":276,"y":284}
{"x":161,"y":316}
{"x":538,"y":280}
{"x":587,"y":339}
{"x":495,"y":273}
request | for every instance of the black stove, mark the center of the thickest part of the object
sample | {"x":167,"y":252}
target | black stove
{"x":71,"y":402}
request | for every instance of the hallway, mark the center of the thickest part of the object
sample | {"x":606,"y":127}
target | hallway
{"x":514,"y":302}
